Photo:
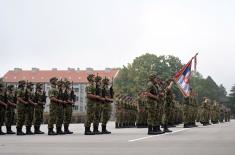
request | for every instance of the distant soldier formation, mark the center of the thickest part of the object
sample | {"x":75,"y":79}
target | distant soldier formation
{"x":153,"y":108}
{"x":157,"y":107}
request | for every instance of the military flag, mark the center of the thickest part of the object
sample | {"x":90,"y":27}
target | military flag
{"x":183,"y":76}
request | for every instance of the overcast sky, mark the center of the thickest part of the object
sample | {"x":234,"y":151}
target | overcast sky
{"x":111,"y":33}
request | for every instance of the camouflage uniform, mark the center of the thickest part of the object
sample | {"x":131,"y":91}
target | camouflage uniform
{"x":90,"y":89}
{"x":168,"y":109}
{"x":53,"y":93}
{"x":106,"y":106}
{"x":141,"y":114}
{"x":10,"y":112}
{"x":154,"y":107}
{"x":20,"y":107}
{"x":205,"y":113}
{"x":40,"y":100}
{"x":97,"y":105}
{"x":60,"y":108}
{"x":29,"y":110}
{"x":215,"y":113}
{"x":2,"y":109}
{"x":68,"y":108}
{"x":187,"y":112}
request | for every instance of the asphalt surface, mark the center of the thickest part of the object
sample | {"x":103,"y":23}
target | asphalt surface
{"x":216,"y":139}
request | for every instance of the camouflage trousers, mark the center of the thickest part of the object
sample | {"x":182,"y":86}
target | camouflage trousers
{"x":186,"y":114}
{"x":68,"y":111}
{"x":89,"y":113}
{"x":38,"y":115}
{"x":205,"y":116}
{"x":29,"y":113}
{"x":20,"y":109}
{"x":2,"y":115}
{"x":10,"y":116}
{"x":97,"y":113}
{"x":60,"y":115}
{"x":154,"y":110}
{"x":106,"y":113}
{"x":168,"y":113}
{"x":52,"y":115}
{"x":119,"y":115}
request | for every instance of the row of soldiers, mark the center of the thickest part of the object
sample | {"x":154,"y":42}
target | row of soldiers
{"x":132,"y":112}
{"x":99,"y":98}
{"x":28,"y":104}
{"x":157,"y":106}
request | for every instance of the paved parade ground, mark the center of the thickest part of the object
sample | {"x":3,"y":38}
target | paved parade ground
{"x":215,"y":140}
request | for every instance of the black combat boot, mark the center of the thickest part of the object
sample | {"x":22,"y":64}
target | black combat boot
{"x":28,"y":130}
{"x":150,"y":130}
{"x":37,"y":130}
{"x":51,"y":132}
{"x":104,"y":130}
{"x":9,"y":131}
{"x":96,"y":131}
{"x":157,"y":130}
{"x":19,"y":131}
{"x":66,"y":130}
{"x":166,"y":129}
{"x":186,"y":125}
{"x":59,"y":131}
{"x":88,"y":131}
{"x":1,"y":133}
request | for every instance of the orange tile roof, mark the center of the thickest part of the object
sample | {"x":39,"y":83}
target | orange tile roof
{"x":44,"y":75}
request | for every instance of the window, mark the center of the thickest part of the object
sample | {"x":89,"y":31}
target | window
{"x":76,"y":90}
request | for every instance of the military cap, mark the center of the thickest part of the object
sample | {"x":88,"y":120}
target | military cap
{"x":98,"y":78}
{"x":53,"y":80}
{"x":30,"y":85}
{"x":90,"y":77}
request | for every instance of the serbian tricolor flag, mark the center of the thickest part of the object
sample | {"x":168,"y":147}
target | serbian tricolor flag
{"x":182,"y":77}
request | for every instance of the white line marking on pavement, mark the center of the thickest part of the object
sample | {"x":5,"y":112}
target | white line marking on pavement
{"x":138,"y":139}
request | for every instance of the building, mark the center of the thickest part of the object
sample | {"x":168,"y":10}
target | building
{"x":77,"y":76}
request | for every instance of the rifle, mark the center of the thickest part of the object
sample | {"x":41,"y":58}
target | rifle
{"x":5,"y":96}
{"x":44,"y":97}
{"x":26,"y":93}
{"x":72,"y":95}
{"x":111,"y":89}
{"x":15,"y":96}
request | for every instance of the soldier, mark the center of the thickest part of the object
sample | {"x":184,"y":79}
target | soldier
{"x":222,"y":113}
{"x":20,"y":107}
{"x":118,"y":109}
{"x":69,"y":97}
{"x":91,"y":99}
{"x":194,"y":106}
{"x":205,"y":113}
{"x":40,"y":100}
{"x":141,"y":117}
{"x":29,"y":108}
{"x":10,"y":112}
{"x":168,"y":107}
{"x":97,"y":105}
{"x":214,"y":113}
{"x":60,"y":107}
{"x":106,"y":106}
{"x":54,"y":104}
{"x":3,"y":107}
{"x":153,"y":106}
